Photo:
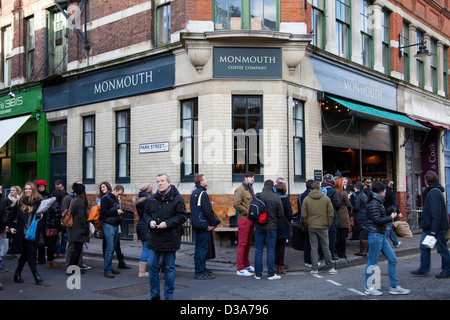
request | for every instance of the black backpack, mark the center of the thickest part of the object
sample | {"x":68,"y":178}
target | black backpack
{"x":257,"y":212}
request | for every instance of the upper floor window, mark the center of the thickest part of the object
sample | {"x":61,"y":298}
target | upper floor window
{"x":189,"y":139}
{"x":318,"y":23}
{"x":163,"y":21}
{"x":7,"y":51}
{"x":299,"y":139}
{"x":367,"y":33}
{"x":405,"y":42}
{"x":433,"y":65}
{"x":30,"y":48}
{"x":58,"y":48}
{"x":445,"y":71}
{"x":123,"y":146}
{"x":343,"y":28}
{"x":89,"y":149}
{"x":246,"y":14}
{"x":420,"y":68}
{"x":386,"y":39}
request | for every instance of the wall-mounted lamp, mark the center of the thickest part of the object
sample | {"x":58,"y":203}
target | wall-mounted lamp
{"x":423,"y":51}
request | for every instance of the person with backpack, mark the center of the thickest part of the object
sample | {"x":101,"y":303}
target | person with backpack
{"x":205,"y":209}
{"x":318,"y":214}
{"x":283,"y":228}
{"x":434,"y":222}
{"x":327,"y":188}
{"x":267,"y":232}
{"x":241,"y":202}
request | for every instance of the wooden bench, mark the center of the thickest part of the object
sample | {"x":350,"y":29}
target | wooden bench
{"x":226,"y":230}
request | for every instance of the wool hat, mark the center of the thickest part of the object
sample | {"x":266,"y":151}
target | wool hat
{"x":146,"y":187}
{"x":359,"y":186}
{"x":79,"y":188}
{"x":41,"y":183}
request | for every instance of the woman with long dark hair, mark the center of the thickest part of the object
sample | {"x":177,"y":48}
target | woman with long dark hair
{"x":79,"y":232}
{"x":19,"y":221}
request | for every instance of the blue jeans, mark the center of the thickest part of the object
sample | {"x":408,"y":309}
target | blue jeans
{"x":378,"y":243}
{"x":169,"y":278}
{"x":61,"y":243}
{"x":442,"y":249}
{"x":144,"y":252}
{"x":269,"y":237}
{"x":389,"y":234}
{"x":111,"y":234}
{"x":201,"y":249}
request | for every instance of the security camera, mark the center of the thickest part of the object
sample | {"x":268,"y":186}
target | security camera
{"x":12,"y":95}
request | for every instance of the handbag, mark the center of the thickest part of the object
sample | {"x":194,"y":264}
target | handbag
{"x":429,"y":241}
{"x":31,"y":232}
{"x":67,"y":217}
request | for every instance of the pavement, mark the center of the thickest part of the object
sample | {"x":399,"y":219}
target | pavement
{"x":225,"y":259}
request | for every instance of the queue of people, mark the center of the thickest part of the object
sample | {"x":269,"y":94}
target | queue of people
{"x":326,"y":210}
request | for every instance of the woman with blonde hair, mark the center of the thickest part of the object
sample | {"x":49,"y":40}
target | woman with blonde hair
{"x":20,"y":219}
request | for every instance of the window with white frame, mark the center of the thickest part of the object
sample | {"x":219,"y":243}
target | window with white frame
{"x":123,"y":146}
{"x":189,"y":139}
{"x":318,"y":23}
{"x":386,"y":39}
{"x":433,"y":66}
{"x":30,"y":48}
{"x":299,"y":139}
{"x":163,"y":21}
{"x":7,"y":51}
{"x":367,"y":33}
{"x":343,"y":28}
{"x":89,"y":149}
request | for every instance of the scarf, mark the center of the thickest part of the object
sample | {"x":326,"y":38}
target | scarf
{"x":13,"y":199}
{"x":165,"y":194}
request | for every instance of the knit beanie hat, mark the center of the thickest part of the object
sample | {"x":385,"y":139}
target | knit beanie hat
{"x":146,"y":187}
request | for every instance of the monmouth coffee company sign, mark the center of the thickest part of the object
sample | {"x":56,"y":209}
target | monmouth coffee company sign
{"x":230,"y":62}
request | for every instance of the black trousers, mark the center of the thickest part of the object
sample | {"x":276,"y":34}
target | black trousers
{"x":77,"y":247}
{"x":28,"y":255}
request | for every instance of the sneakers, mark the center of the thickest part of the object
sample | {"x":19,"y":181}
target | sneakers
{"x":398,"y":244}
{"x":372,"y":291}
{"x":244,"y":273}
{"x":250,"y":269}
{"x":274,"y":277}
{"x":398,"y":290}
{"x":332,"y":271}
{"x":204,"y":276}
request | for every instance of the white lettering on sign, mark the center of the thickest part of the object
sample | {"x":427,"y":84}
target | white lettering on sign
{"x":154,"y":147}
{"x":247,"y":59}
{"x":364,"y":90}
{"x":123,"y":82}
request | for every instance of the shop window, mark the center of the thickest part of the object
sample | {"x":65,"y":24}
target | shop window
{"x":163,"y":21}
{"x":433,"y":66}
{"x":318,"y":23}
{"x":30,"y":48}
{"x":58,"y":48}
{"x":386,"y":39}
{"x":5,"y":165}
{"x":343,"y":27}
{"x":247,"y":126}
{"x":299,"y":140}
{"x":420,"y":68}
{"x":26,"y":142}
{"x":246,"y":14}
{"x":123,"y":146}
{"x":189,"y":139}
{"x":7,"y":51}
{"x":405,"y":42}
{"x":367,"y":33}
{"x":89,"y":149}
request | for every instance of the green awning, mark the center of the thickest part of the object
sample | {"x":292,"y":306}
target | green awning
{"x":379,"y":115}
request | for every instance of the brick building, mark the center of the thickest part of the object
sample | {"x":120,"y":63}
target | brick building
{"x":285,"y":88}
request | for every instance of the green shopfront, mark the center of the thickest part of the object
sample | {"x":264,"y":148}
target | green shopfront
{"x":24,"y":138}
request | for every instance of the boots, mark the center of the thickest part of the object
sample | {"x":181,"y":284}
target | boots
{"x":18,"y":276}
{"x":143,"y":270}
{"x":52,"y":265}
{"x":281,"y":270}
{"x":362,"y":248}
{"x":37,"y":278}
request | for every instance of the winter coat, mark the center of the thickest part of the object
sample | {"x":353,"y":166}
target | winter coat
{"x":53,"y":220}
{"x":274,"y":209}
{"x":21,"y":221}
{"x":283,"y":226}
{"x":141,"y":202}
{"x":205,"y":205}
{"x":108,"y":209}
{"x":343,"y":216}
{"x":359,"y":203}
{"x":171,"y":210}
{"x":79,"y":232}
{"x":434,"y":214}
{"x":377,"y":217}
{"x":317,"y":210}
{"x":241,"y":201}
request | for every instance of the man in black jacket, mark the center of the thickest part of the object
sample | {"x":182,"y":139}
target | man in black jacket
{"x":328,"y":184}
{"x":111,"y":216}
{"x":434,"y":221}
{"x":165,"y":215}
{"x":202,"y":235}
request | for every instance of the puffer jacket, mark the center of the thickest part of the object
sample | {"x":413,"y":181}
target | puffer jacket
{"x":108,"y":209}
{"x":377,"y":217}
{"x":141,"y":203}
{"x":171,"y":210}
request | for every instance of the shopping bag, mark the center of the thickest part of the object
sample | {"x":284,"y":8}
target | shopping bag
{"x":45,"y":205}
{"x":429,"y":241}
{"x":31,"y":233}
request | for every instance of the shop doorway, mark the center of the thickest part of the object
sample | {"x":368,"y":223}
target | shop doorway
{"x":26,"y":172}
